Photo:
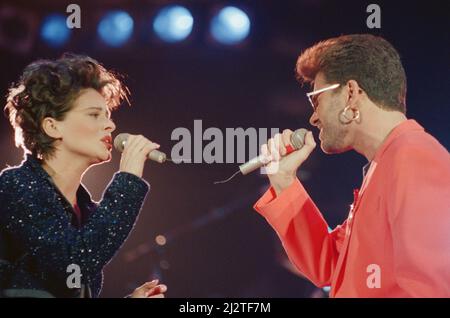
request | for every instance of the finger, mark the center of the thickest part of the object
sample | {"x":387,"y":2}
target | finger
{"x":286,"y":137}
{"x":142,"y":145}
{"x":125,"y":158}
{"x":157,"y":296}
{"x":264,"y":150}
{"x":273,"y":149}
{"x":309,"y":146}
{"x":136,"y":145}
{"x":265,"y":154}
{"x":131,"y":157}
{"x":279,"y":146}
{"x":149,"y":147}
{"x":130,"y":146}
{"x":160,"y":289}
{"x":150,"y":285}
{"x":309,"y":140}
{"x":270,"y":146}
{"x":130,"y":142}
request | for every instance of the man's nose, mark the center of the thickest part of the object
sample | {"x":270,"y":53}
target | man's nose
{"x":314,"y":119}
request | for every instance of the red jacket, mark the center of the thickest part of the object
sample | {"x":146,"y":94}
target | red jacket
{"x":396,"y":239}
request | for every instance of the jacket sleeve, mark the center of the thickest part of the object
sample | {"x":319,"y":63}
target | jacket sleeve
{"x":418,"y":205}
{"x":303,"y":232}
{"x":55,"y":244}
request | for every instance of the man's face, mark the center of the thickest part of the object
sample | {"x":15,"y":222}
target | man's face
{"x":334,"y":136}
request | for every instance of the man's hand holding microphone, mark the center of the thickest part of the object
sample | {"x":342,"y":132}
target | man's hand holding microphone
{"x":284,"y":160}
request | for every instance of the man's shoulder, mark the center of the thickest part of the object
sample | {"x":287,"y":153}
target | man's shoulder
{"x":415,"y":144}
{"x":416,"y":153}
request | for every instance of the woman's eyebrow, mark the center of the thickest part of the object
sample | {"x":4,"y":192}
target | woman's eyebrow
{"x":94,"y":107}
{"x":108,"y":113}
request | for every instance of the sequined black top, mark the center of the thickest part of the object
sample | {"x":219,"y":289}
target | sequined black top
{"x":40,"y":235}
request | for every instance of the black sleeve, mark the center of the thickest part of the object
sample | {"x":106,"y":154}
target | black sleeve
{"x":55,"y":244}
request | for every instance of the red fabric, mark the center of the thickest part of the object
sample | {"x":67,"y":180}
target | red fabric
{"x":77,"y":212}
{"x":400,"y":221}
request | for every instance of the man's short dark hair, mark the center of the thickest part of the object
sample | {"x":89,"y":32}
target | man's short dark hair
{"x":370,"y":60}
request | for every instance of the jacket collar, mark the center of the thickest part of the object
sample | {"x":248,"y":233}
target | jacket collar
{"x":35,"y":164}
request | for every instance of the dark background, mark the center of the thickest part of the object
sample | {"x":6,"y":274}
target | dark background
{"x":232,"y":252}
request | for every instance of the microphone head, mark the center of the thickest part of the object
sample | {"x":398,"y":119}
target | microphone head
{"x":298,"y":138}
{"x":120,"y":140}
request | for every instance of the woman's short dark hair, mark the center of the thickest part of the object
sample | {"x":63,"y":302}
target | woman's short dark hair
{"x":370,"y":60}
{"x":48,"y":88}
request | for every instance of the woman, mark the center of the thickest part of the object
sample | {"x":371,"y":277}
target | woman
{"x":54,"y":240}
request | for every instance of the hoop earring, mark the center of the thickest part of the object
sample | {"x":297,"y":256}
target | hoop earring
{"x":344,"y":119}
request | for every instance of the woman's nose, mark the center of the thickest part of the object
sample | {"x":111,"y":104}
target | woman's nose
{"x":110,"y":125}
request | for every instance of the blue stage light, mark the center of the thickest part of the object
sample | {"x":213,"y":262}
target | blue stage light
{"x":173,"y":23}
{"x":230,"y":26}
{"x":54,"y":30}
{"x":115,"y":28}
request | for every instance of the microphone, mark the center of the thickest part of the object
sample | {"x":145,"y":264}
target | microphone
{"x":155,"y":155}
{"x":297,"y":140}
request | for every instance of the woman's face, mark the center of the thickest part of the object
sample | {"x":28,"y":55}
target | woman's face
{"x":87,"y":127}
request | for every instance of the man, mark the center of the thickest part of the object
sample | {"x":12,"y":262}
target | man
{"x":396,"y":239}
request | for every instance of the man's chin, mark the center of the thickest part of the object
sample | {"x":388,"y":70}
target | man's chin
{"x":331,"y":149}
{"x":327,"y":150}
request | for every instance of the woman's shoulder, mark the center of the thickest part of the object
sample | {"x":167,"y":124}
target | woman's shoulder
{"x":11,"y":172}
{"x":12,"y":176}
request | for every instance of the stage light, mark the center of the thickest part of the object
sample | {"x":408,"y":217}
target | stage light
{"x":230,"y":26}
{"x":115,"y":28}
{"x":173,"y":23}
{"x":54,"y":30}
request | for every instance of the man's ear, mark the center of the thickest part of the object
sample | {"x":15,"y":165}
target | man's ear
{"x":355,"y":94}
{"x":51,"y":127}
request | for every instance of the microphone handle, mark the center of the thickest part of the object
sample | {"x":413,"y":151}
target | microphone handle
{"x":157,"y":156}
{"x":297,"y":139}
{"x":252,"y":164}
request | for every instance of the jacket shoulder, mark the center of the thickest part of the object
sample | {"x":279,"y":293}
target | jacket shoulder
{"x":15,"y":175}
{"x":416,"y":156}
{"x":416,"y":144}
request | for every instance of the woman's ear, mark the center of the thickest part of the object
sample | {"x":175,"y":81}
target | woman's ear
{"x":51,"y":127}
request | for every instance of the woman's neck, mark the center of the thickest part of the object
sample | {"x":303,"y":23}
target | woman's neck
{"x":66,"y":173}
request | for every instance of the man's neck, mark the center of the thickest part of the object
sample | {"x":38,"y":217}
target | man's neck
{"x":66,"y":174}
{"x":375,"y":132}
